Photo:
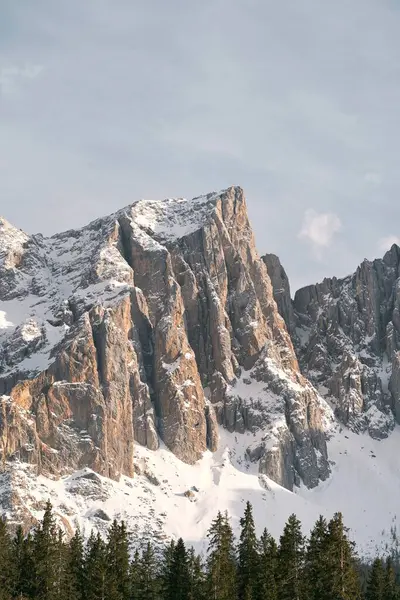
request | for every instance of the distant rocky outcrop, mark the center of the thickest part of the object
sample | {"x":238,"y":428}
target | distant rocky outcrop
{"x":347,"y":339}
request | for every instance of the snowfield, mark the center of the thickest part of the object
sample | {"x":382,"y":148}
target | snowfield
{"x":170,"y":499}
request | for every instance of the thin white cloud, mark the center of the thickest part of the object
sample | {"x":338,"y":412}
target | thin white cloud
{"x":319,"y":228}
{"x":373,"y":177}
{"x":11,"y":76}
{"x":387,"y":242}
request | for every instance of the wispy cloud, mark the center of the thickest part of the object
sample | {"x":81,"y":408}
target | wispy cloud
{"x":373,"y":178}
{"x":12,"y":76}
{"x":319,"y":229}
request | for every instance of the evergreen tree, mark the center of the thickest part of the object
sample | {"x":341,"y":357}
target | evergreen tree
{"x":46,"y":557}
{"x":221,"y":564}
{"x":178,"y":586}
{"x":118,"y":562}
{"x":376,"y":581}
{"x":149,"y":577}
{"x":75,"y":568}
{"x":22,"y":566}
{"x":341,"y":563}
{"x":390,"y":589}
{"x":196,"y":577}
{"x":247,"y":557}
{"x":316,"y":574}
{"x":266,"y":576}
{"x":291,"y":561}
{"x":166,"y":568}
{"x":95,"y":569}
{"x":25,"y":573}
{"x":60,"y":579}
{"x":134,"y":576}
{"x":6,"y":563}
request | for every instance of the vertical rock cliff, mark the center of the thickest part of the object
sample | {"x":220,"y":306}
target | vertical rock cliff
{"x":156,"y":323}
{"x":281,"y":291}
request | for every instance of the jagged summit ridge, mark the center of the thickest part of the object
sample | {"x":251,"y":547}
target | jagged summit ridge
{"x":155,"y":323}
{"x":172,"y":218}
{"x":83,"y":265}
{"x":347,"y":338}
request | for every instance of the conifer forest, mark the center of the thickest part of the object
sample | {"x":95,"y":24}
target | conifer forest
{"x":43,"y":565}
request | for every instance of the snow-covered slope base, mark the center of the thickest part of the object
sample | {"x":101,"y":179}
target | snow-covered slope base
{"x":168,"y":499}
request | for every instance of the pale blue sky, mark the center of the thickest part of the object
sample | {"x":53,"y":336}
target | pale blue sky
{"x":103,"y":102}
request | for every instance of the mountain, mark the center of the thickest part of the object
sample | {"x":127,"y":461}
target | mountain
{"x":154,"y":367}
{"x":347,"y":338}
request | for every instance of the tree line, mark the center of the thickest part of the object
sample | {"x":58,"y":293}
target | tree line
{"x":42,"y":565}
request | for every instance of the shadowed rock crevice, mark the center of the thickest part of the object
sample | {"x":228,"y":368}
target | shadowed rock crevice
{"x":97,"y":335}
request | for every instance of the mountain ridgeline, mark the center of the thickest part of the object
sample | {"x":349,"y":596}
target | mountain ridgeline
{"x":346,"y":333}
{"x":161,"y":323}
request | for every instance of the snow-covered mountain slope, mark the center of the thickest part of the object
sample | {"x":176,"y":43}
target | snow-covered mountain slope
{"x":144,"y":356}
{"x":170,"y":499}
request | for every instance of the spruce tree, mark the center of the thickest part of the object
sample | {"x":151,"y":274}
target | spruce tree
{"x":291,"y":561}
{"x":390,"y":588}
{"x":266,"y":576}
{"x":196,"y":576}
{"x":247,"y":557}
{"x":178,"y":587}
{"x":315,"y":573}
{"x":376,"y":581}
{"x":46,"y":557}
{"x":221,"y":563}
{"x":60,"y":571}
{"x":6,"y":563}
{"x":166,"y":568}
{"x":118,"y":562}
{"x":75,"y":567}
{"x":95,"y":569}
{"x":149,"y":576}
{"x":134,"y":576}
{"x":19,"y":561}
{"x":341,"y":565}
{"x":24,"y":565}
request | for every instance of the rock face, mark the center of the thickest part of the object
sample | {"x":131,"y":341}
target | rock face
{"x":281,"y":290}
{"x":158,"y":322}
{"x":347,"y":339}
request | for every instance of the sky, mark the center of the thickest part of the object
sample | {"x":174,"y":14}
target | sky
{"x":104,"y":102}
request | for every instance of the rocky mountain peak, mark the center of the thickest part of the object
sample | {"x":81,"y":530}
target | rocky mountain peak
{"x":157,"y":323}
{"x":155,"y":343}
{"x":346,"y":336}
{"x":12,"y":241}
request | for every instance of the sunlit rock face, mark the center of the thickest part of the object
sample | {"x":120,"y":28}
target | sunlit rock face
{"x":155,"y":324}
